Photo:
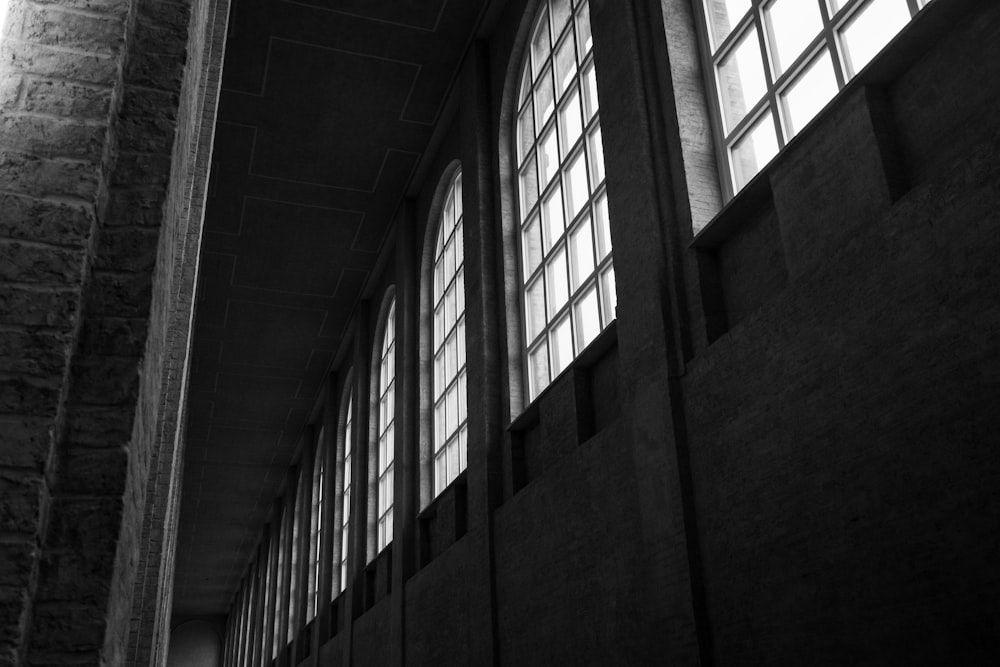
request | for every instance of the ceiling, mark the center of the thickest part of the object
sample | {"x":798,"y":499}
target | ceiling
{"x":323,"y":119}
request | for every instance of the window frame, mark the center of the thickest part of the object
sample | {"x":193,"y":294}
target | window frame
{"x":827,"y":39}
{"x":450,"y":191}
{"x":316,"y":528}
{"x":601,"y":276}
{"x":380,"y":355}
{"x":345,"y":485}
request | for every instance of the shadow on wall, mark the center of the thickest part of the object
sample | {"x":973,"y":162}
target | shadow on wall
{"x":194,"y":644}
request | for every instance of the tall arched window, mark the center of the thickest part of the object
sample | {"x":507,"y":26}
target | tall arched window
{"x":345,"y":496}
{"x":296,"y":557}
{"x":279,"y":595}
{"x":448,"y":379}
{"x":316,"y":527}
{"x":776,"y":64}
{"x":567,"y":275}
{"x":386,"y":391}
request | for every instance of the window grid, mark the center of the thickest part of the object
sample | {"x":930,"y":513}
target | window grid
{"x":565,"y":241}
{"x":386,"y":426}
{"x":345,"y":522}
{"x":449,"y":380}
{"x":315,"y":534}
{"x":776,"y":63}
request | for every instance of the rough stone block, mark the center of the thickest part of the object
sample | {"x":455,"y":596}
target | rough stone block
{"x":64,"y":98}
{"x":101,"y":426}
{"x":49,"y":265}
{"x":135,"y":207}
{"x":92,"y":34}
{"x":113,"y":336}
{"x":127,"y":249}
{"x":29,"y":396}
{"x":31,"y":306}
{"x":53,"y":137}
{"x":19,"y":560}
{"x":56,"y":222}
{"x":119,"y":294}
{"x":105,"y":380}
{"x":25,"y":442}
{"x":142,"y":169}
{"x":42,"y":177}
{"x":41,"y":353}
{"x":50,"y":62}
{"x":97,"y":471}
{"x":23,"y":497}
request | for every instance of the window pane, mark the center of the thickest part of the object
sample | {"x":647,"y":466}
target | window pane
{"x":791,"y":25}
{"x":609,"y":295}
{"x":459,"y":245}
{"x":809,"y":93}
{"x":595,"y":146}
{"x":461,"y":344}
{"x":557,"y":282}
{"x":582,"y":251}
{"x":525,"y":133}
{"x":577,"y":192}
{"x":560,"y":15}
{"x":531,"y":246}
{"x":565,"y":63}
{"x":870,"y":29}
{"x":545,"y":102}
{"x":741,"y":79}
{"x":723,"y":15}
{"x":589,"y":91}
{"x":538,"y":372}
{"x":529,"y":187}
{"x":753,"y":151}
{"x":588,"y":318}
{"x":535,"y":307}
{"x":570,"y":124}
{"x":552,"y":218}
{"x":583,"y":36}
{"x":525,"y":89}
{"x":548,"y":156}
{"x":562,"y":345}
{"x":458,"y":196}
{"x":603,"y":228}
{"x":540,"y":43}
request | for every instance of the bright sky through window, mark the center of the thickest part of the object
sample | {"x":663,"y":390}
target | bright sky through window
{"x":776,"y":66}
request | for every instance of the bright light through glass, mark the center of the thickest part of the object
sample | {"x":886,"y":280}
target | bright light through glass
{"x":723,"y":15}
{"x":871,"y":29}
{"x":3,"y":17}
{"x":791,"y":25}
{"x":809,"y":93}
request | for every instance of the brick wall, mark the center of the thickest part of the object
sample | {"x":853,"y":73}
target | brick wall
{"x":90,"y":232}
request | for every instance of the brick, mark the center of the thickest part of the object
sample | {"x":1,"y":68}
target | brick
{"x":105,"y":380}
{"x":92,"y":34}
{"x":46,"y":221}
{"x":131,"y":249}
{"x":109,"y":7}
{"x":119,"y":295}
{"x":64,"y":98}
{"x":42,"y":353}
{"x":154,"y":71}
{"x":135,"y":207}
{"x":49,"y":62}
{"x":29,"y":396}
{"x":97,"y":425}
{"x":97,"y":471}
{"x":113,"y":336}
{"x":145,"y":103}
{"x":31,"y":306}
{"x":23,"y":263}
{"x":61,"y":628}
{"x":53,"y":137}
{"x":19,"y":560}
{"x":142,"y":169}
{"x":13,"y":608}
{"x":25,"y":442}
{"x":146,"y":135}
{"x":74,"y":576}
{"x":10,"y":90}
{"x":42,"y":177}
{"x":23,"y":498}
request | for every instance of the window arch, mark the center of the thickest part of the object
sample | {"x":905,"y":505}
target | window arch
{"x":567,"y":276}
{"x":344,"y":464}
{"x":316,"y":527}
{"x":384,"y":389}
{"x":448,"y":380}
{"x":776,"y":63}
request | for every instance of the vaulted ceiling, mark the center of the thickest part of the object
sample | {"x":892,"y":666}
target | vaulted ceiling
{"x":323,"y":119}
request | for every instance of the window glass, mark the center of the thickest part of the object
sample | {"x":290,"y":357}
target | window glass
{"x":559,"y":271}
{"x":345,"y":496}
{"x":775,"y":68}
{"x":316,"y":528}
{"x":449,"y":339}
{"x":385,"y":448}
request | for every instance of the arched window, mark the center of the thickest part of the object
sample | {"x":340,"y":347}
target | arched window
{"x":567,"y":276}
{"x":385,"y":388}
{"x":776,"y":64}
{"x":316,"y":528}
{"x":296,"y":557}
{"x":279,"y":596}
{"x":345,"y":496}
{"x":448,"y":341}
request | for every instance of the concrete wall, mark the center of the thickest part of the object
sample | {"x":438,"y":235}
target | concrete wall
{"x":102,"y":107}
{"x":783,"y":453}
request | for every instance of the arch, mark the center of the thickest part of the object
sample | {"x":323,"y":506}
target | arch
{"x":381,"y":429}
{"x":556,"y":205}
{"x":343,"y":486}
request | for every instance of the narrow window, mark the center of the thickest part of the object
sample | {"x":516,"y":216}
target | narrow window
{"x":345,"y":522}
{"x":279,"y":596}
{"x":293,"y":586}
{"x":448,"y":380}
{"x":567,"y":277}
{"x":316,"y":529}
{"x":386,"y":388}
{"x":776,"y":63}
